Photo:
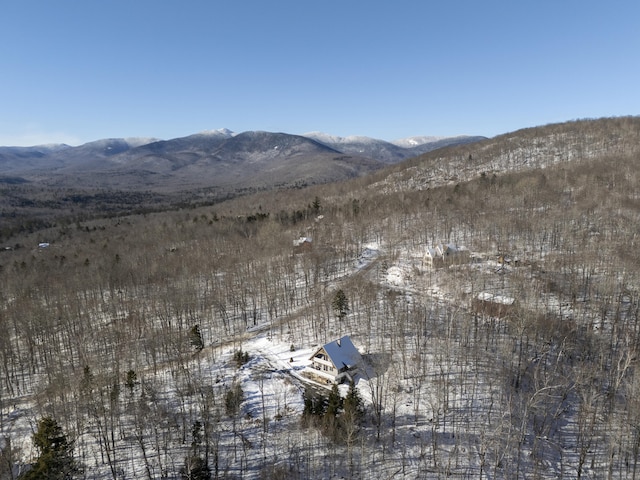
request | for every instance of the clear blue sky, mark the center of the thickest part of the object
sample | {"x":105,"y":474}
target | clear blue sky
{"x":77,"y":71}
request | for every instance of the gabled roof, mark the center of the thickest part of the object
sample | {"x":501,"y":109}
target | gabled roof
{"x":434,"y":252}
{"x":441,"y":250}
{"x":453,"y":248}
{"x":342,"y":353}
{"x":301,"y":240}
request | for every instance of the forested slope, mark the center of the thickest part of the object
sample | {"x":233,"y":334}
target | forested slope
{"x":128,"y":330}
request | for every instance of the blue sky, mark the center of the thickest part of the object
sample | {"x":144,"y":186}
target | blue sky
{"x":77,"y":71}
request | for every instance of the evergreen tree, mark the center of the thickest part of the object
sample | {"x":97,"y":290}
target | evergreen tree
{"x":196,"y":338}
{"x":315,"y":406}
{"x":56,"y":453}
{"x":330,"y":419}
{"x":196,"y":466}
{"x":130,"y":382}
{"x":351,"y":419}
{"x":340,"y":304}
{"x":240,"y":357}
{"x":353,"y":405}
{"x":233,"y":398}
{"x":334,"y":403}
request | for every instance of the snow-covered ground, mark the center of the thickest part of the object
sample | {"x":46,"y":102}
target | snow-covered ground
{"x":433,"y":382}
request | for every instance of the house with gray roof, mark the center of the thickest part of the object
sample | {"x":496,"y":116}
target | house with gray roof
{"x":445,"y":255}
{"x":336,"y":361}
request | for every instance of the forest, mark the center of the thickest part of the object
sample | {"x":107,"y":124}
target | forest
{"x":170,"y":344}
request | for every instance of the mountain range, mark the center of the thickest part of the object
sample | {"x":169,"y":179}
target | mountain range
{"x":218,"y":160}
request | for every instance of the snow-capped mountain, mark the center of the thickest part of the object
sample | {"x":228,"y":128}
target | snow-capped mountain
{"x":209,"y":159}
{"x":220,"y":132}
{"x":389,"y":152}
{"x":359,"y":145}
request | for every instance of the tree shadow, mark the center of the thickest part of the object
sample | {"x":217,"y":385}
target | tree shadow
{"x":374,"y":364}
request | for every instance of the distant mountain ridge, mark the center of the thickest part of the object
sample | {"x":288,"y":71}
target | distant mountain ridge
{"x":210,"y":159}
{"x":390,"y":152}
{"x":116,"y":176}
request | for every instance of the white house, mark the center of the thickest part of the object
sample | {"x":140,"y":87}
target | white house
{"x":336,"y":361}
{"x":445,"y":255}
{"x":302,"y":245}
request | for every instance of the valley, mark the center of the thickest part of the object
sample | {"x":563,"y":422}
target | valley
{"x":43,"y":184}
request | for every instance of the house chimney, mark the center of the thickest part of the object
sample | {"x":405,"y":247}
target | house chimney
{"x":338,"y":342}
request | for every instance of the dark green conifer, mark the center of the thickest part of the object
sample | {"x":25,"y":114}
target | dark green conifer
{"x":196,"y":338}
{"x":56,"y":454}
{"x":340,"y":304}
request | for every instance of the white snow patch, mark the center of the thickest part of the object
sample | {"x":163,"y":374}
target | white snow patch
{"x":395,"y":275}
{"x":225,"y":132}
{"x":415,"y":141}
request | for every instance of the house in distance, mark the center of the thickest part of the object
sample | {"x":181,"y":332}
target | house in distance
{"x":302,"y":245}
{"x":444,"y":255}
{"x":336,"y":361}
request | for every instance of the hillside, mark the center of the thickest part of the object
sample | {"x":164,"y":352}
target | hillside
{"x":156,"y":339}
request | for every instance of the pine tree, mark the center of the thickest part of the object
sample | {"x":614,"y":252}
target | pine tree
{"x":334,"y":403}
{"x":340,"y":304}
{"x":315,"y":406}
{"x":196,"y":466}
{"x":196,"y":338}
{"x":56,"y":453}
{"x":351,"y":419}
{"x":240,"y":357}
{"x":353,"y":405}
{"x":330,"y":419}
{"x":130,"y":382}
{"x":233,"y":398}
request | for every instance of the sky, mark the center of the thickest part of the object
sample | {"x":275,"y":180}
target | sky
{"x":74,"y":71}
